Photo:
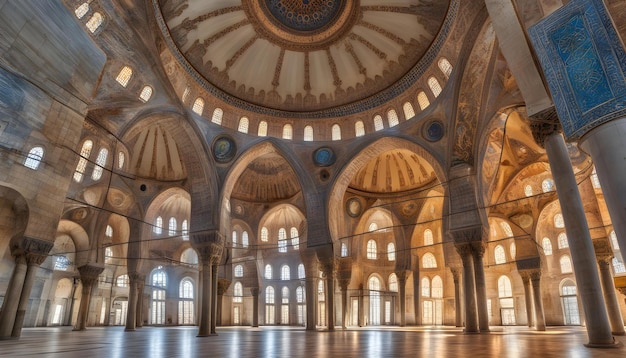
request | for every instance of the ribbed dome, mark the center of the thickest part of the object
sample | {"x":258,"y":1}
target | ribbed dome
{"x":302,"y":55}
{"x":156,"y":155}
{"x":268,"y":178}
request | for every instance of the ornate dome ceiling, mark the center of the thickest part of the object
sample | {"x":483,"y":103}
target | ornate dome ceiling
{"x":302,"y":56}
{"x":268,"y":178}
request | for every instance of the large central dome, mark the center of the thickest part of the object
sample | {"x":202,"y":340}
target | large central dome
{"x":302,"y":56}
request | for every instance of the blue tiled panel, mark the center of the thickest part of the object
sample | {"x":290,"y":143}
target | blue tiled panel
{"x":584,"y":63}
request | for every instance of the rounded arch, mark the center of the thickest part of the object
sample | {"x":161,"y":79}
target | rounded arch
{"x":79,"y":237}
{"x":15,"y":213}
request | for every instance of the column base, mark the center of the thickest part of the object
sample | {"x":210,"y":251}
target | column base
{"x":470,"y":332}
{"x":129,"y":330}
{"x":615,"y":344}
{"x":207,"y":335}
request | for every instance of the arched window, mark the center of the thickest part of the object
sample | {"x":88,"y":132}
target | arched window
{"x":359,"y":129}
{"x":124,"y":76}
{"x":558,"y":221}
{"x":374,"y":286}
{"x":308,"y":134}
{"x":172,"y":226}
{"x":269,"y":294}
{"x":34,"y":158}
{"x":189,"y":257}
{"x":371,"y":250}
{"x":120,"y":160}
{"x":287,"y":131}
{"x":159,"y":283}
{"x":428,"y":237}
{"x":373,"y":227}
{"x":528,"y":190}
{"x":269,"y":305}
{"x":216,"y":118}
{"x":268,"y":272}
{"x":499,"y":254}
{"x":284,"y":308}
{"x":393,"y":283}
{"x":85,"y":152}
{"x":300,"y":294}
{"x":185,"y":229}
{"x":504,"y":287}
{"x":513,"y":250}
{"x":198,"y":106}
{"x":425,"y":287}
{"x":94,"y":22}
{"x":437,"y":287}
{"x":82,"y":10}
{"x":122,"y":281}
{"x":158,"y":226}
{"x":238,"y":292}
{"x":301,"y":273}
{"x":108,"y":232}
{"x":594,"y":179}
{"x":185,"y":305}
{"x":262,"y":132}
{"x":391,"y":252}
{"x":234,"y":236}
{"x":570,"y":303}
{"x":295,"y":238}
{"x":445,"y":66}
{"x":336,"y":132}
{"x":547,"y":185}
{"x":244,"y":124}
{"x":614,"y":242}
{"x":239,"y":271}
{"x":409,"y":112}
{"x":101,"y":160}
{"x":506,"y":228}
{"x":285,"y":274}
{"x":378,"y":123}
{"x":429,"y":260}
{"x":546,"y":244}
{"x":244,"y":239}
{"x":264,"y":234}
{"x":108,"y":255}
{"x":145,"y":94}
{"x":159,"y":277}
{"x":618,"y":266}
{"x":435,"y":87}
{"x":282,"y":240}
{"x":422,"y":100}
{"x":392,"y":118}
{"x":566,"y":264}
{"x":344,"y":249}
{"x":562,"y":241}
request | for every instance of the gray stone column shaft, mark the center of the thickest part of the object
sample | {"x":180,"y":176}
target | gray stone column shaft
{"x":140,"y":290}
{"x":540,"y":320}
{"x":83,"y":309}
{"x":610,"y":297}
{"x":12,"y":297}
{"x":458,"y":306}
{"x":24,"y":296}
{"x":131,"y":312}
{"x":204,"y":324}
{"x":402,"y":294}
{"x":330,"y":300}
{"x":481,"y":290}
{"x":311,"y":303}
{"x":579,"y":239}
{"x":417,"y":292}
{"x":471,"y":314}
{"x":213,"y":298}
{"x":255,"y":307}
{"x":528,"y":300}
{"x":344,"y":306}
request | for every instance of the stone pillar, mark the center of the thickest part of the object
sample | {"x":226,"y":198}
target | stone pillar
{"x":545,"y":126}
{"x":88,"y":276}
{"x":222,"y":287}
{"x":469,"y":291}
{"x":458,"y":307}
{"x":528,"y":299}
{"x":402,"y":275}
{"x":361,"y":315}
{"x":540,"y":320}
{"x":209,"y":246}
{"x":12,"y":297}
{"x":141,"y":284}
{"x":608,"y":288}
{"x":478,"y":250}
{"x":255,"y":306}
{"x":416,"y":290}
{"x":134,"y":279}
{"x":344,"y":274}
{"x":328,"y":268}
{"x":70,"y":305}
{"x":213,"y":297}
{"x":309,"y":260}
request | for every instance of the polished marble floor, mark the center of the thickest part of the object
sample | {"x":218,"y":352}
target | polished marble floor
{"x":113,"y":342}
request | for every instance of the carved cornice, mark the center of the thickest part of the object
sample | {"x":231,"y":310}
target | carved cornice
{"x":34,"y":251}
{"x":544,"y":124}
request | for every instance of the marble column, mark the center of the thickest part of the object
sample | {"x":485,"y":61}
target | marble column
{"x":12,"y":297}
{"x":214,"y":297}
{"x":478,"y":251}
{"x":131,"y":312}
{"x":469,"y":290}
{"x":540,"y":320}
{"x":310,"y":262}
{"x":361,"y":316}
{"x":209,"y":246}
{"x":88,"y":276}
{"x":141,"y":284}
{"x":608,"y":288}
{"x":416,"y":290}
{"x":343,"y":284}
{"x":545,"y":126}
{"x":528,"y":298}
{"x":70,"y":305}
{"x":402,"y":276}
{"x":222,"y":286}
{"x":328,"y":267}
{"x":458,"y":307}
{"x":255,"y":306}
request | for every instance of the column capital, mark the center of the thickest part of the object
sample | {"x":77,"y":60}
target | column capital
{"x":328,"y":266}
{"x":531,"y":274}
{"x":456,"y":274}
{"x":89,"y":273}
{"x":136,"y":277}
{"x":603,"y":250}
{"x":254,"y":291}
{"x":544,"y":124}
{"x":402,"y":275}
{"x":344,"y":271}
{"x":209,"y":245}
{"x":222,"y":286}
{"x":33,"y":250}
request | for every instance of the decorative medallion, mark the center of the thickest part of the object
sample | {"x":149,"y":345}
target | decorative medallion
{"x":224,"y":149}
{"x":434,"y":131}
{"x":324,"y":157}
{"x":239,"y":210}
{"x":79,"y":214}
{"x":307,"y":15}
{"x":354,"y":207}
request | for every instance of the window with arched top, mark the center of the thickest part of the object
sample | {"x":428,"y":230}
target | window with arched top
{"x":392,"y":118}
{"x":295,"y":238}
{"x":269,"y":295}
{"x":269,"y":305}
{"x":425,"y":287}
{"x":189,"y":256}
{"x":121,"y":158}
{"x":429,"y":260}
{"x":101,"y":160}
{"x":408,"y":110}
{"x":301,"y":273}
{"x":268,"y":272}
{"x":372,"y":252}
{"x":85,"y":152}
{"x":373,"y":227}
{"x":81,"y":10}
{"x":287,"y":131}
{"x":158,"y":280}
{"x":244,"y":124}
{"x":562,"y":241}
{"x":391,"y":252}
{"x":198,"y":106}
{"x":244,"y":239}
{"x":445,"y":66}
{"x":393,"y":283}
{"x":528,"y":190}
{"x":217,"y":116}
{"x":547,"y":185}
{"x":506,"y":228}
{"x":344,"y":249}
{"x":124,"y":76}
{"x":558,"y":221}
{"x":285,"y":273}
{"x":122,"y":281}
{"x":308,"y":133}
{"x":570,"y":303}
{"x":422,"y":100}
{"x":428,"y":237}
{"x":504,"y":287}
{"x":145,"y":94}
{"x":359,"y":129}
{"x":108,"y":232}
{"x":239,"y":271}
{"x":234,"y":238}
{"x":262,"y":131}
{"x":436,"y":290}
{"x":34,"y":157}
{"x":185,"y":230}
{"x":238,"y":292}
{"x":186,"y":288}
{"x":264,"y":234}
{"x":378,"y":123}
{"x":300,"y":294}
{"x":546,"y":244}
{"x":94,"y":22}
{"x":158,"y":226}
{"x":336,"y":132}
{"x":613,"y":238}
{"x":172,"y":226}
{"x":513,"y":250}
{"x":499,"y":254}
{"x":566,"y":264}
{"x":434,"y":86}
{"x":282,"y":240}
{"x":159,"y":277}
{"x":618,"y":266}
